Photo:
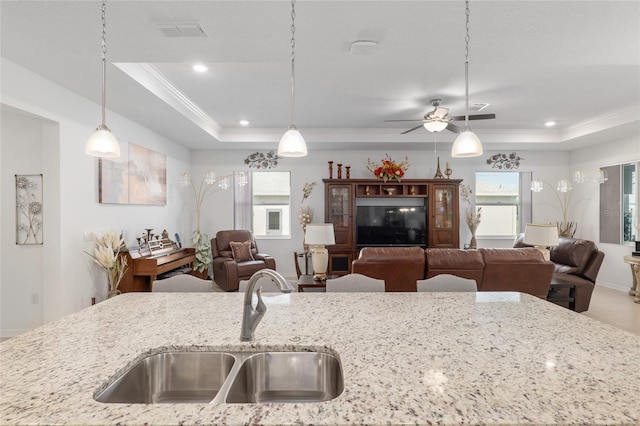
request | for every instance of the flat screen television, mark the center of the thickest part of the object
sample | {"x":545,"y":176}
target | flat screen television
{"x":381,"y":226}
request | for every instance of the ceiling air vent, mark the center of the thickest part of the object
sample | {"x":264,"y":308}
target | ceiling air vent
{"x":181,"y":29}
{"x":477,"y":107}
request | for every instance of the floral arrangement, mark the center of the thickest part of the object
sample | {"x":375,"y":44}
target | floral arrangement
{"x":473,"y":216}
{"x":389,"y":169}
{"x":306,"y":213}
{"x":106,"y":254}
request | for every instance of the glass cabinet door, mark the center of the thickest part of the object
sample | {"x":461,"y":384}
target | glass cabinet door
{"x":444,"y":208}
{"x":340,"y":212}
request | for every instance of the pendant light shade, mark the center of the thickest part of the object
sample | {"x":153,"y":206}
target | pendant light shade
{"x":466,"y":144}
{"x":292,"y":144}
{"x":102,"y":143}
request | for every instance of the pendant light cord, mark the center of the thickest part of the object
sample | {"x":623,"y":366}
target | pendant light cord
{"x":104,"y":62}
{"x":466,"y":68}
{"x":293,"y":62}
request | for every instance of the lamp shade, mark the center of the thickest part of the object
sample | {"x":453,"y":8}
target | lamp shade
{"x":540,"y":234}
{"x":435,"y":125}
{"x":102,"y":143}
{"x":466,"y":144}
{"x":319,"y":234}
{"x":292,"y":144}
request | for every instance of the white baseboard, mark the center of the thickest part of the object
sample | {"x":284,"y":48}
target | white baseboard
{"x":613,"y":286}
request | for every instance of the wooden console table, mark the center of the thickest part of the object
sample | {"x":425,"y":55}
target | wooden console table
{"x":634,"y":262}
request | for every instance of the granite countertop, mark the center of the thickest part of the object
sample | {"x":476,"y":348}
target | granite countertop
{"x":417,"y":358}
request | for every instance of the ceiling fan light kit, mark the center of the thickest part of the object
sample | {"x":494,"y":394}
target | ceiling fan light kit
{"x":435,"y":126}
{"x":467,"y":144}
{"x":102,"y":143}
{"x":292,"y":143}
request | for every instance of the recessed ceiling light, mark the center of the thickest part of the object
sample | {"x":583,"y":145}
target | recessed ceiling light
{"x":244,"y":122}
{"x":200,"y":68}
{"x":550,"y":123}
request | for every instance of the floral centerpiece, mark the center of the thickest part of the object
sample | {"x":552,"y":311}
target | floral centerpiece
{"x":106,"y":254}
{"x":472,"y":215}
{"x":388,"y":169}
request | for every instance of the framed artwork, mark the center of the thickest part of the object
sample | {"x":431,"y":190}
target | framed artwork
{"x":29,"y":214}
{"x":139,"y":176}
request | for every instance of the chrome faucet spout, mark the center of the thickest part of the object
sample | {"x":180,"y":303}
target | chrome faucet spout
{"x":251,"y":316}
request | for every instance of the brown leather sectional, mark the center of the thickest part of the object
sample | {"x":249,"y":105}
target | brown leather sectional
{"x":503,"y":269}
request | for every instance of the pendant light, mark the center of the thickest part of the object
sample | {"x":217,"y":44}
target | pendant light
{"x":102,"y":143}
{"x":467,"y":143}
{"x":292,"y":143}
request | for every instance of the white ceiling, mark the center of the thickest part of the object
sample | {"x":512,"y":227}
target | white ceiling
{"x":575,"y":62}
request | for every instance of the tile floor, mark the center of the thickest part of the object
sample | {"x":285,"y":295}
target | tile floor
{"x":615,"y":308}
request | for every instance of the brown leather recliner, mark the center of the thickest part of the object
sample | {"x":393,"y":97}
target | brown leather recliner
{"x":577,"y":263}
{"x":228,"y":273}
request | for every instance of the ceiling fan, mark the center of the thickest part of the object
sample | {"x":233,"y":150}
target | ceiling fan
{"x":438,"y":119}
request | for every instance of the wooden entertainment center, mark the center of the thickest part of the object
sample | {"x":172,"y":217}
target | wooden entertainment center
{"x":440,"y":197}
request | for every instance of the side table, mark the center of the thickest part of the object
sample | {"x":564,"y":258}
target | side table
{"x":307,"y":281}
{"x":634,"y":262}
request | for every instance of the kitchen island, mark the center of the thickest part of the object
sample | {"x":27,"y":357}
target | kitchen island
{"x":416,"y":358}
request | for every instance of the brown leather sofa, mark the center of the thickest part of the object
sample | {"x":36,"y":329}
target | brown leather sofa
{"x":493,"y":269}
{"x":228,"y":273}
{"x":399,"y":267}
{"x":576,"y":265}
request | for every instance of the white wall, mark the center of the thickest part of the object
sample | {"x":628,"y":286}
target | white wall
{"x":614,"y":272}
{"x":22,"y":153}
{"x":218,"y":209}
{"x":70,"y":280}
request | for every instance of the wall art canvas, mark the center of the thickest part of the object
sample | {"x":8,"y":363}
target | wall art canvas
{"x":139,"y":177}
{"x":29,"y":214}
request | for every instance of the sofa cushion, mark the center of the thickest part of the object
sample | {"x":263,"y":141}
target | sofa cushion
{"x":399,"y":267}
{"x":241,"y":251}
{"x":461,"y":263}
{"x":572,"y":255}
{"x":246,"y":269}
{"x":519,"y":269}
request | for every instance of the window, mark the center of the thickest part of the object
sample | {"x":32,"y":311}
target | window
{"x":271,"y":204}
{"x":619,"y":201}
{"x":506,"y":207}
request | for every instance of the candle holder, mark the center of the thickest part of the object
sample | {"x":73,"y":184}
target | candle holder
{"x":339,"y":170}
{"x":330,"y":169}
{"x":348,"y":168}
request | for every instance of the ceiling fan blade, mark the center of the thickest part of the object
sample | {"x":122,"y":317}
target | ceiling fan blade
{"x":453,"y":128}
{"x":474,"y":117}
{"x":411,"y":130}
{"x":392,"y":121}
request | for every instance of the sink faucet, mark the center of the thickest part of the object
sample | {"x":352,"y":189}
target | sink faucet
{"x":250,"y":316}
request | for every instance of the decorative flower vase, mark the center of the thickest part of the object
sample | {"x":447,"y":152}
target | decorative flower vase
{"x":114,"y":282}
{"x":473,"y":243}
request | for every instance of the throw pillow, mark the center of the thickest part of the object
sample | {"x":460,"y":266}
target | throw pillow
{"x":241,"y":251}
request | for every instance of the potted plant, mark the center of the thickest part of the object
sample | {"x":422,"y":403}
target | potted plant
{"x":201,"y":242}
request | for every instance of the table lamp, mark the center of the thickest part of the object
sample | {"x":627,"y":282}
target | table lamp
{"x":319,"y":235}
{"x":541,"y":236}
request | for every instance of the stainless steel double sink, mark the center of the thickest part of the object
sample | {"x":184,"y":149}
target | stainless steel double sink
{"x":228,"y":377}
